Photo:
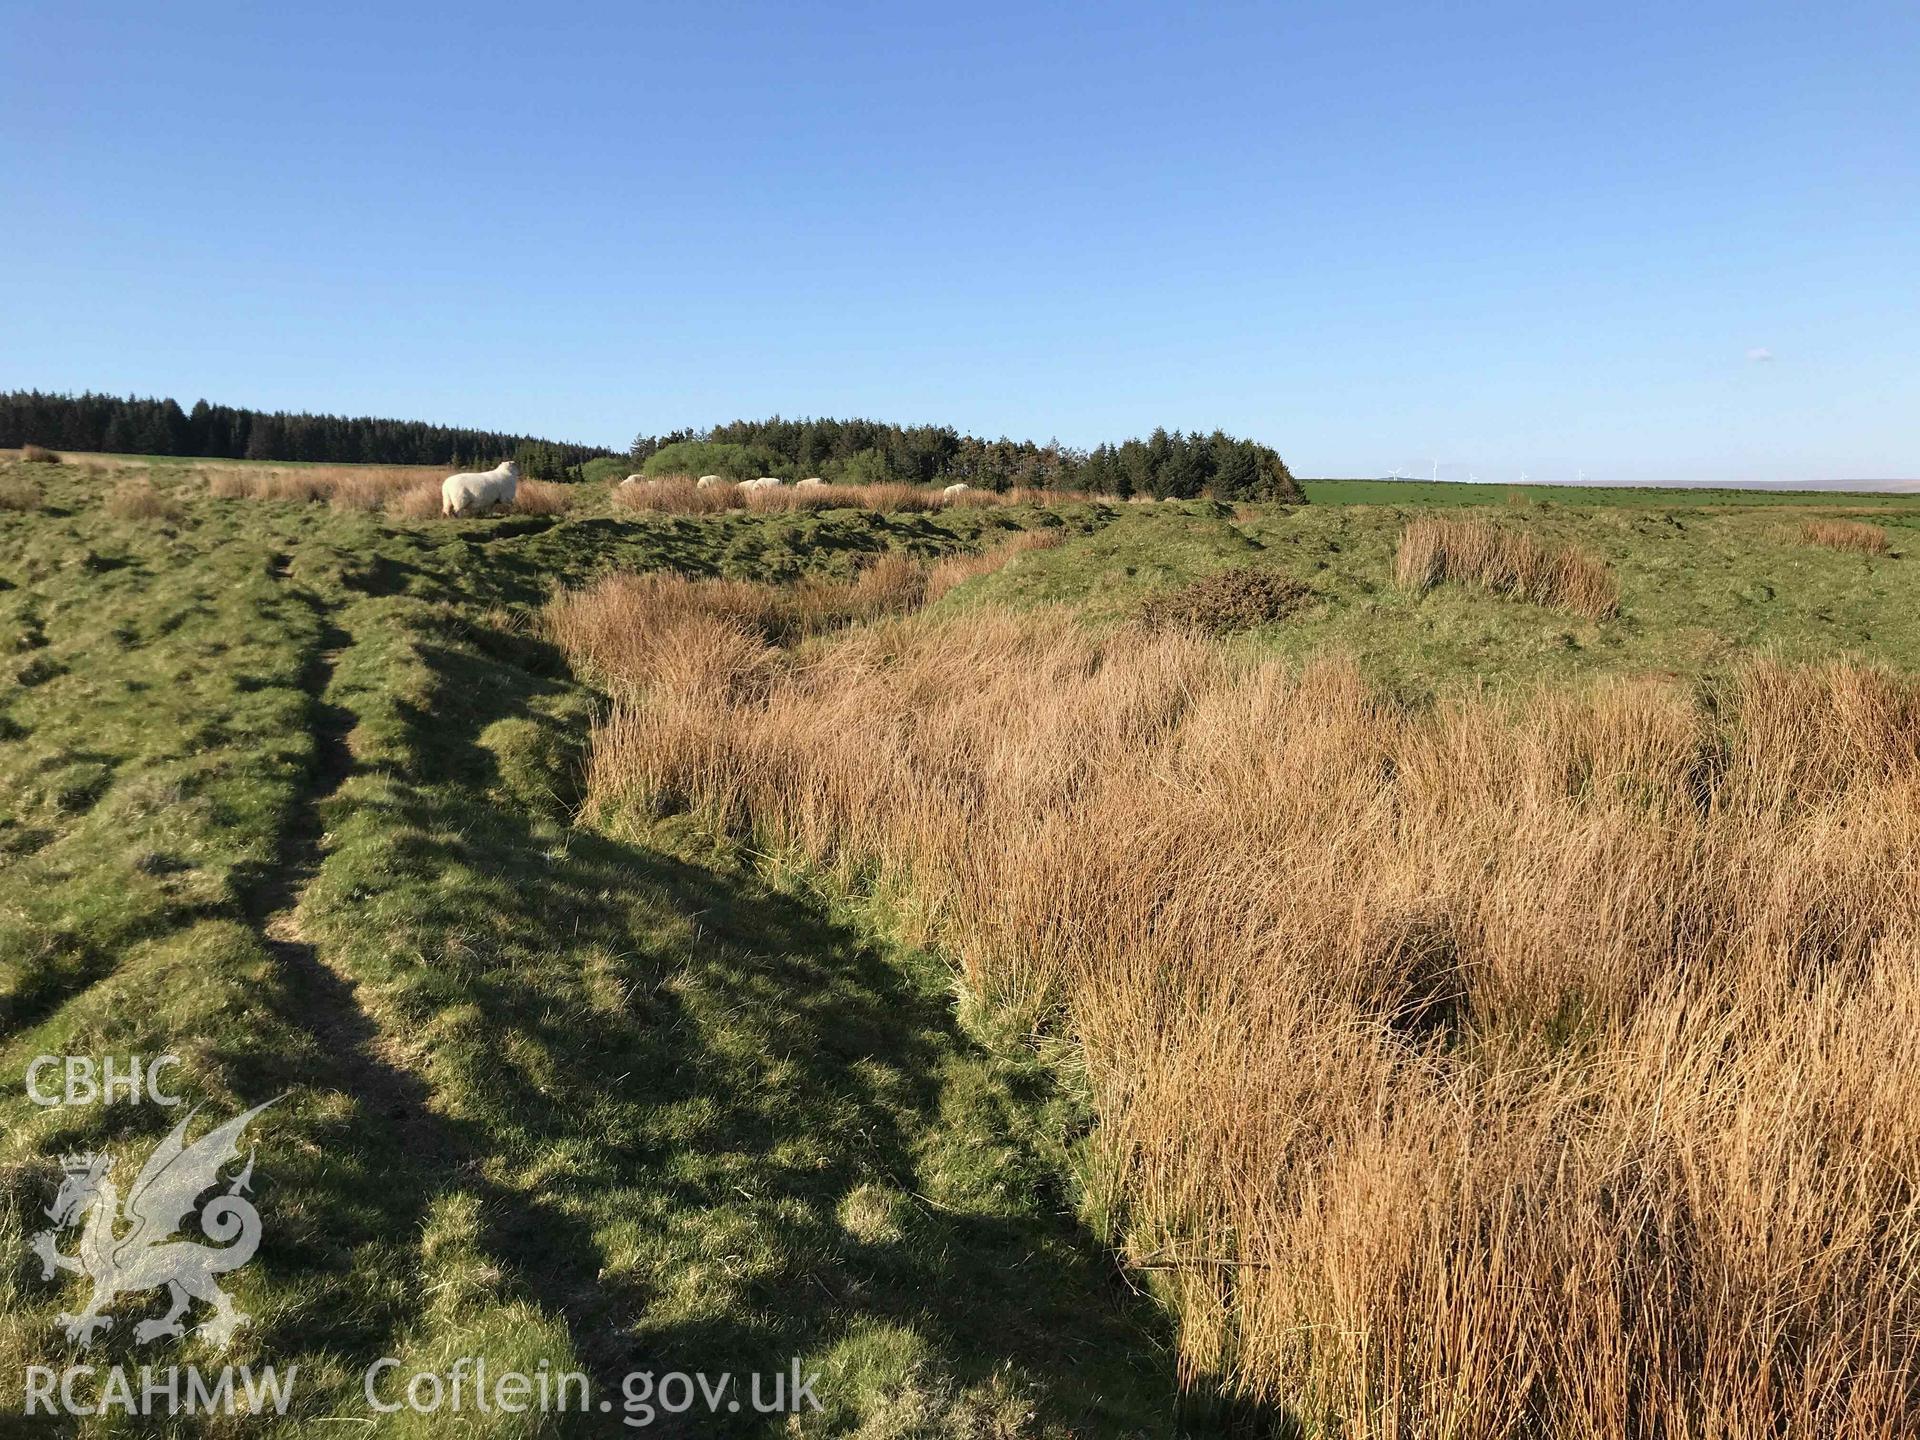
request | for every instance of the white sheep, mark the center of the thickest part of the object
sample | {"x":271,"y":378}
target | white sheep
{"x":471,"y":493}
{"x":812,"y":482}
{"x":765,"y":482}
{"x":633,"y":480}
{"x":953,"y":490}
{"x":707,"y":482}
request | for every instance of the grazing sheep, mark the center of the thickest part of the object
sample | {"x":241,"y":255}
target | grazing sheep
{"x":707,"y":482}
{"x":633,"y":480}
{"x":812,"y":482}
{"x":469,"y":494}
{"x":765,"y":482}
{"x":953,"y":490}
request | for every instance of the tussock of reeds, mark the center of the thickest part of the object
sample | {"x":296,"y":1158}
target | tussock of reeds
{"x":616,"y":627}
{"x":1850,"y":535}
{"x":1488,"y":1071}
{"x":541,"y":497}
{"x":137,"y":499}
{"x":1506,"y":562}
{"x":38,"y":455}
{"x":418,"y":502}
{"x":19,"y":492}
{"x":1221,"y":604}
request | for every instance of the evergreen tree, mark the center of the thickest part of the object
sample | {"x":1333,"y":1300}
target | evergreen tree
{"x":159,"y":427}
{"x":1237,"y":473}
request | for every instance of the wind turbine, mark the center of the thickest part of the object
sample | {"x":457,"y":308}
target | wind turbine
{"x":1523,"y":477}
{"x":1436,"y":472}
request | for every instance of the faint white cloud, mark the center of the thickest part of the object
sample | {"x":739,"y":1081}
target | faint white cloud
{"x":1760,"y":355}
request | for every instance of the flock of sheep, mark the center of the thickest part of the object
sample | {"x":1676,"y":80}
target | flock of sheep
{"x":476,"y":491}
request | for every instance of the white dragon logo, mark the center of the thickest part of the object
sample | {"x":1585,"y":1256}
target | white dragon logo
{"x":147,"y":1256}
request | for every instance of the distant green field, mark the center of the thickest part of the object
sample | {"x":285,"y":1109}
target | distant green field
{"x":1702,"y":588}
{"x":1427,"y":492}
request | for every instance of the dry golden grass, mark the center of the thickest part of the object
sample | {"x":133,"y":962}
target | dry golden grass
{"x":888,"y":498}
{"x":894,"y":498}
{"x":230,"y":485}
{"x":137,"y":499}
{"x":1019,"y":495}
{"x":616,"y":626}
{"x":19,"y":492}
{"x":422,"y":502}
{"x":344,"y":487}
{"x":1846,"y":535}
{"x":371,"y":488}
{"x":678,"y":495}
{"x":1488,"y":1071}
{"x":409,"y":491}
{"x":790,"y":498}
{"x":541,"y":497}
{"x":1032,"y":495}
{"x":1476,"y":552}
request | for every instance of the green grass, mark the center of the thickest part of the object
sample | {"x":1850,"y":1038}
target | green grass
{"x":1701,"y":589}
{"x":290,"y":792}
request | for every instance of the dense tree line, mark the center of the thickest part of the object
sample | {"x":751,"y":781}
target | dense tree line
{"x":1166,"y":465}
{"x":131,"y":426}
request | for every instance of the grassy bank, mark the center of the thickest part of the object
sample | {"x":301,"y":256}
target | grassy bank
{"x":289,"y":795}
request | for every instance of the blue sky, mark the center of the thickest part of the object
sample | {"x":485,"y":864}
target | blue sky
{"x":1506,"y":237}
